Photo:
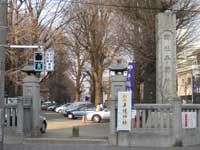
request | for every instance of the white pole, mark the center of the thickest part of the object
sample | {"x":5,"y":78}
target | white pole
{"x":24,"y":46}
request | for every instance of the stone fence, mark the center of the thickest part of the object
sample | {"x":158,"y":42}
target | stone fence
{"x":161,"y":125}
{"x":17,"y":117}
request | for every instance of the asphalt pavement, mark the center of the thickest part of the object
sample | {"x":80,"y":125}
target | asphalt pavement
{"x":60,"y":131}
{"x":60,"y":127}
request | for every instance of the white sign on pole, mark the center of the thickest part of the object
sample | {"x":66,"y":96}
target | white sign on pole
{"x":49,"y":60}
{"x":124,"y":111}
{"x":189,"y":119}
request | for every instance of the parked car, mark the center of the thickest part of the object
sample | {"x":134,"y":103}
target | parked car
{"x":74,"y":106}
{"x":53,"y":107}
{"x":45,"y":105}
{"x":98,"y":116}
{"x":79,"y":111}
{"x":60,"y":108}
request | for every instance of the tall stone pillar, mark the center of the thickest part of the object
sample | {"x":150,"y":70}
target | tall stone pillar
{"x":165,"y":57}
{"x":117,"y":84}
{"x":31,"y":89}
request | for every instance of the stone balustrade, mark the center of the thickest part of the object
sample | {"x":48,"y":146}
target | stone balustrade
{"x":152,"y":116}
{"x":10,"y":115}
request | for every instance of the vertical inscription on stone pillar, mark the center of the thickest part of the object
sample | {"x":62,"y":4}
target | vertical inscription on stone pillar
{"x":166,"y":61}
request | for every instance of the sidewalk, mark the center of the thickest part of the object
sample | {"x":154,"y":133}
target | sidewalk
{"x":87,"y":147}
{"x":72,"y":143}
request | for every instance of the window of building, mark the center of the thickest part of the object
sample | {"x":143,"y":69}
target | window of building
{"x":189,"y":80}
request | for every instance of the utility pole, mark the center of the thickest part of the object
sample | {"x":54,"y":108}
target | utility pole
{"x":3,"y":41}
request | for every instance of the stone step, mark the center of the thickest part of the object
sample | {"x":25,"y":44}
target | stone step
{"x":66,"y":141}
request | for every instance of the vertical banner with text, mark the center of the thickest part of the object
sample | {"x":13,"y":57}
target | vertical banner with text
{"x":130,"y":79}
{"x":124,"y":111}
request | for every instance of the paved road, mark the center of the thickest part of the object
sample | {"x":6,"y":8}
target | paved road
{"x":60,"y":127}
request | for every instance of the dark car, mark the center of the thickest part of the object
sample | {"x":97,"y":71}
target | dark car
{"x":45,"y":105}
{"x":79,"y":111}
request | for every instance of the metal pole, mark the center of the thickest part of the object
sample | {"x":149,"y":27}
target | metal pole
{"x":24,"y":46}
{"x":3,"y":38}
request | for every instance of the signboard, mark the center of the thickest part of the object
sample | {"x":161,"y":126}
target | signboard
{"x":124,"y":111}
{"x":49,"y":60}
{"x":189,"y":119}
{"x":130,"y":79}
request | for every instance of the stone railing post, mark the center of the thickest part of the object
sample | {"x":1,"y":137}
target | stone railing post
{"x":31,"y":89}
{"x":20,"y":116}
{"x":177,"y":122}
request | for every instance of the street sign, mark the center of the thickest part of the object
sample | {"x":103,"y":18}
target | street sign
{"x":124,"y":111}
{"x":49,"y":60}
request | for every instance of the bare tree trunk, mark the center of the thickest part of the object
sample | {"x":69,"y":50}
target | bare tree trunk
{"x":97,"y":92}
{"x":78,"y":93}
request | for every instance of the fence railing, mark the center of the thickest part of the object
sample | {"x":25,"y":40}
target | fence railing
{"x":159,"y":116}
{"x":172,"y":124}
{"x":10,"y":115}
{"x":14,"y":113}
{"x":152,"y":116}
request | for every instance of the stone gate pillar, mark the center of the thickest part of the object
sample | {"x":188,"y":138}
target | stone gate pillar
{"x":117,"y":84}
{"x":165,"y":57}
{"x":31,"y":89}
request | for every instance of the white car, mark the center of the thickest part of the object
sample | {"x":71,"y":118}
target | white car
{"x":60,"y":108}
{"x":98,"y":116}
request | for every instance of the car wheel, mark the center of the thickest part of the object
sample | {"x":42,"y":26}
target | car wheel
{"x":70,"y":116}
{"x":96,"y":118}
{"x":43,"y":128}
